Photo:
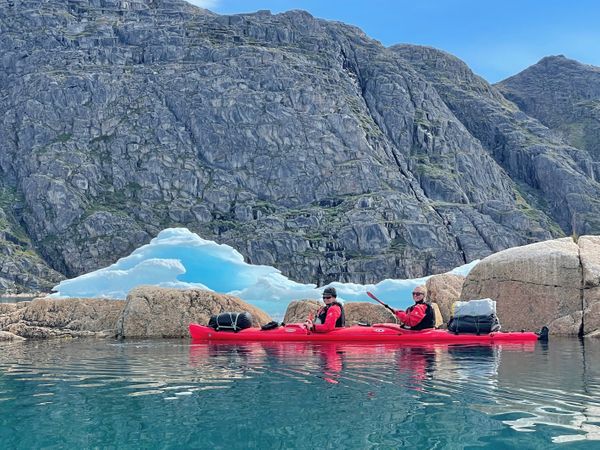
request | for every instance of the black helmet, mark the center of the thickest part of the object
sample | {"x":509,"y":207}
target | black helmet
{"x":329,"y":291}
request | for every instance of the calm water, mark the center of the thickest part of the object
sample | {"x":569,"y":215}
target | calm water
{"x":175,"y":394}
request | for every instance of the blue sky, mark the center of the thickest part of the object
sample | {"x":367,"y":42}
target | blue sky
{"x":496,"y":39}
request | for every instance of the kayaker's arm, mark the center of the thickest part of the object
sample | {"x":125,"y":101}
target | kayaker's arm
{"x":333,"y":314}
{"x":414,"y":317}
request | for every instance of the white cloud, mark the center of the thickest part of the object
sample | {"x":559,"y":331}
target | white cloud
{"x":207,"y":4}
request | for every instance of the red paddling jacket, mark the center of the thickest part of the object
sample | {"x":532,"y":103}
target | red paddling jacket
{"x":418,"y":316}
{"x":330,"y":317}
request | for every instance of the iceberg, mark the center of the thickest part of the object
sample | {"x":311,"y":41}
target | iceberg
{"x":178,"y":258}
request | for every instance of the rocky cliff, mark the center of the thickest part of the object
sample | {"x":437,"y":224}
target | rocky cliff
{"x":564,"y":95}
{"x":555,"y":177}
{"x":300,"y":142}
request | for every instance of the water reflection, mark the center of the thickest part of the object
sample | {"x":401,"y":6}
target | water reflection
{"x":424,"y":396}
{"x":332,"y":361}
{"x":562,"y":392}
{"x":509,"y":381}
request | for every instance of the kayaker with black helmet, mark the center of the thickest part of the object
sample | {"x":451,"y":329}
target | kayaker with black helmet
{"x":420,"y":315}
{"x":330,"y":316}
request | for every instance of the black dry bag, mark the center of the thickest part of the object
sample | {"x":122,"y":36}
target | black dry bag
{"x":231,"y":321}
{"x":270,"y":326}
{"x":474,"y":324}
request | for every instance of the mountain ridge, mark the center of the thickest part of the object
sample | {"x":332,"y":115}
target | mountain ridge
{"x":302,"y":143}
{"x":564,"y":95}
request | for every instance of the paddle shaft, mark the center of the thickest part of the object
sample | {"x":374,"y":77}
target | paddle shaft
{"x":370,"y":294}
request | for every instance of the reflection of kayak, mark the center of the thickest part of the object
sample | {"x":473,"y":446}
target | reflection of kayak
{"x":376,"y":333}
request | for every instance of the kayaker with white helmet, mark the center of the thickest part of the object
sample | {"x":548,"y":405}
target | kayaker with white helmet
{"x":420,"y":315}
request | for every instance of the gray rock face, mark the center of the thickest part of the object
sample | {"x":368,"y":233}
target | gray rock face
{"x":554,"y":283}
{"x":302,"y":143}
{"x":21,"y":267}
{"x":564,"y":95}
{"x":558,"y":180}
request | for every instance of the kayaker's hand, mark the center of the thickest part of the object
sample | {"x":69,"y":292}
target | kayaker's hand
{"x":308,"y":324}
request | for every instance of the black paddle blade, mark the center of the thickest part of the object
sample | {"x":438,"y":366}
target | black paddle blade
{"x":543,"y":334}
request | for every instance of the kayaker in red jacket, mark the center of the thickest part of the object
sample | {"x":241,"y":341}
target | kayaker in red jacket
{"x":329,"y":316}
{"x":420,"y":315}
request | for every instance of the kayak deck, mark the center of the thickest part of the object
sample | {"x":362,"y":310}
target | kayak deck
{"x":387,"y":332}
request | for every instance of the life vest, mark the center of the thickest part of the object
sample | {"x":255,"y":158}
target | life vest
{"x":322,"y":314}
{"x":429,"y":319}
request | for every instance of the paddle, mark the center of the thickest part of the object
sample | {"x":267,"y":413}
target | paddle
{"x":370,"y":294}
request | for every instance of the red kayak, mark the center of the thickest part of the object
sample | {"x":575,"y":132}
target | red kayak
{"x":382,"y":332}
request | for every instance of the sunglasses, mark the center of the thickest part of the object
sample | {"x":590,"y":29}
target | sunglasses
{"x":418,"y":293}
{"x":326,"y":297}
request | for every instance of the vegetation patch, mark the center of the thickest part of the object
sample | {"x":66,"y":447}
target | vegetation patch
{"x":9,"y":197}
{"x":101,"y":138}
{"x":62,"y":138}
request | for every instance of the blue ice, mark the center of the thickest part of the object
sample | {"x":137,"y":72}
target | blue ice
{"x":181,"y":259}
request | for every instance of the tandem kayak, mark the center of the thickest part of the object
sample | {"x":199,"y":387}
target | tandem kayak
{"x":377,"y":333}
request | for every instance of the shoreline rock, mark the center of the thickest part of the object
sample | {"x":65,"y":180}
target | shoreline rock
{"x":8,"y":336}
{"x":554,"y":283}
{"x":443,"y":290}
{"x":44,"y":318}
{"x":148,"y":312}
{"x":162,"y":312}
{"x":24,"y":295}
